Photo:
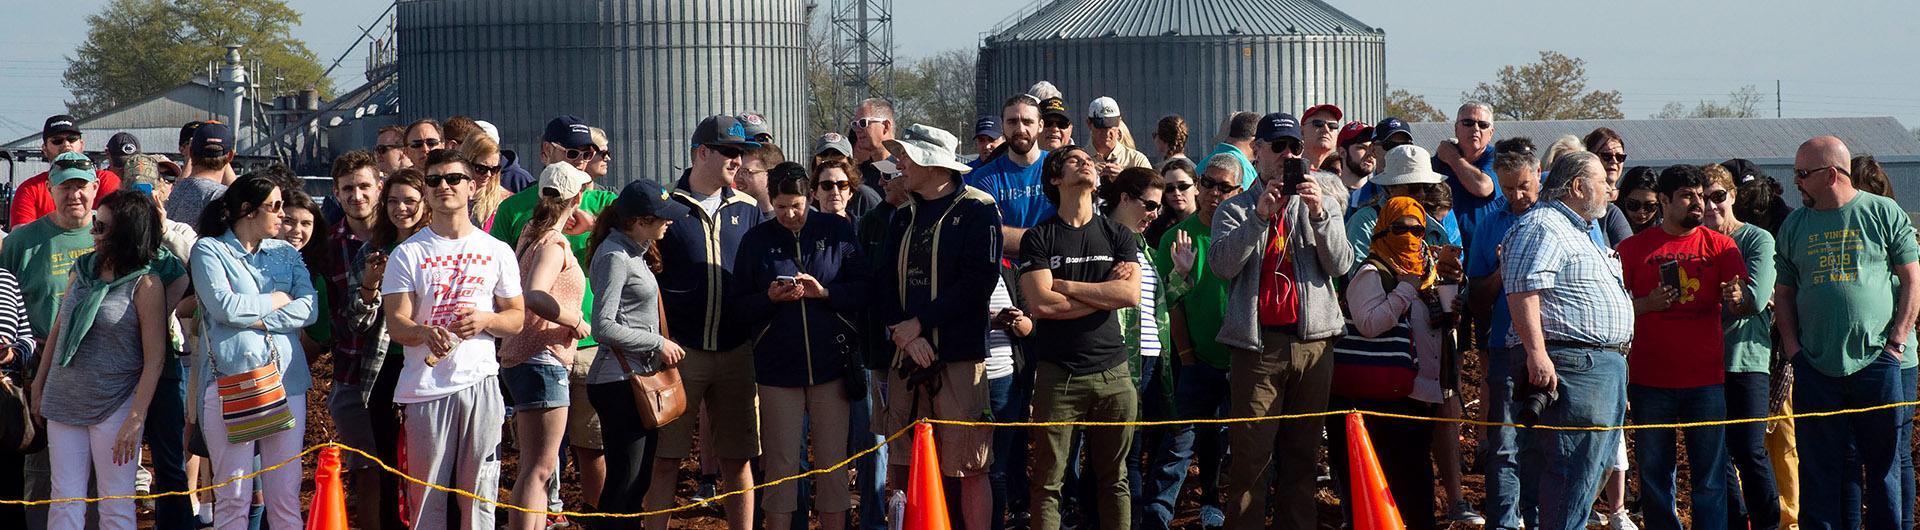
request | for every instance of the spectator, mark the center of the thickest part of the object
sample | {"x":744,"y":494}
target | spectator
{"x":1842,"y":255}
{"x":1236,"y":138}
{"x":18,"y":349}
{"x":534,"y":364}
{"x":1556,"y":277}
{"x":1134,"y":200}
{"x":209,"y":164}
{"x":987,"y":140}
{"x":801,"y":299}
{"x":1321,"y":123}
{"x":699,"y":252}
{"x":1357,"y":164}
{"x":1869,"y":177}
{"x":1170,"y":136}
{"x":366,"y":362}
{"x":1013,"y":179}
{"x":422,"y":137}
{"x":1083,"y":375}
{"x":1279,"y":250}
{"x":454,"y":291}
{"x":833,"y":185}
{"x":105,"y":362}
{"x":256,"y":294}
{"x":1749,"y":360}
{"x":752,"y":176}
{"x":120,"y":147}
{"x":937,"y":315}
{"x":1613,"y":156}
{"x":1177,"y":198}
{"x":460,"y":130}
{"x":487,"y":167}
{"x":390,"y":150}
{"x":1010,"y":381}
{"x":871,"y":129}
{"x":870,"y":474}
{"x":861,"y":199}
{"x":1638,"y":200}
{"x":1056,"y":124}
{"x":33,"y":198}
{"x":1411,"y":182}
{"x":167,"y":413}
{"x":1111,"y":143}
{"x":299,"y":223}
{"x":1519,"y":191}
{"x":1467,"y":161}
{"x":1676,"y":373}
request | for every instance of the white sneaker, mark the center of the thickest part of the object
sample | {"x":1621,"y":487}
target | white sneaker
{"x":1212,"y":517}
{"x":1621,"y":521}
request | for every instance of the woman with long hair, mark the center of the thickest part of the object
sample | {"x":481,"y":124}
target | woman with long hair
{"x":401,"y":213}
{"x":1179,"y":199}
{"x":487,"y":191}
{"x":104,"y":361}
{"x":533,"y":364}
{"x":256,"y":294}
{"x":300,"y":227}
{"x":1133,"y":200}
{"x":627,"y":324}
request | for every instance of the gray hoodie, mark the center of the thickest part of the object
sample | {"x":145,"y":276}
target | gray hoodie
{"x":1320,"y":249}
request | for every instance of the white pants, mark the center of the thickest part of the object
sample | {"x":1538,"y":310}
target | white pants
{"x":76,"y":453}
{"x":281,"y":487}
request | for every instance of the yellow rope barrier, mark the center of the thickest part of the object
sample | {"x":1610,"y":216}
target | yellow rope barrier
{"x":902,"y":432}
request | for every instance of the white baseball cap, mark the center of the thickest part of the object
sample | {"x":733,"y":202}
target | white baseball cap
{"x":565,"y":180}
{"x":1104,"y":112}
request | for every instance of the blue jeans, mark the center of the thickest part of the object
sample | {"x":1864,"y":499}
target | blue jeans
{"x":1825,"y":472}
{"x":1910,"y":391}
{"x":1758,"y":505}
{"x":1009,"y":404}
{"x":1566,"y":467}
{"x":167,"y":441}
{"x":1160,"y":468}
{"x":870,"y":474}
{"x":1199,"y":392}
{"x":1706,"y":453}
{"x":1503,"y":452}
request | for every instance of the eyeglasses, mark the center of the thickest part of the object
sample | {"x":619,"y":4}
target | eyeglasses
{"x":384,"y":148}
{"x":1617,"y":158}
{"x":1149,"y":206}
{"x":410,"y":203}
{"x":1057,"y":123}
{"x":1802,"y":174}
{"x":272,"y":207}
{"x":63,"y":140}
{"x":842,"y":185}
{"x":1179,"y":187}
{"x":1717,"y":196}
{"x":486,"y":169}
{"x":451,"y":179}
{"x":1477,"y":124}
{"x":1218,"y":186}
{"x":576,"y":153}
{"x":424,"y":143}
{"x":1285,"y":145}
{"x":1638,"y":206}
{"x":862,"y":123}
{"x":1323,"y":124}
{"x":83,"y":165}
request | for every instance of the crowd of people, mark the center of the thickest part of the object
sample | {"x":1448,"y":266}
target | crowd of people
{"x":169,"y":315}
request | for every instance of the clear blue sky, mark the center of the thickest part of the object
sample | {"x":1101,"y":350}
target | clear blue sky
{"x":1854,"y":60}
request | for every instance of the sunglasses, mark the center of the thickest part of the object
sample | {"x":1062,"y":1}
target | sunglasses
{"x":1477,"y":124}
{"x":451,"y":179}
{"x":1057,"y":123}
{"x":722,"y":150}
{"x":1215,"y":185}
{"x":1638,"y":206}
{"x":1285,"y":145}
{"x":1409,"y":230}
{"x":842,"y":185}
{"x":1717,"y":196}
{"x":582,"y":152}
{"x":385,"y":148}
{"x":63,"y":140}
{"x":862,"y":123}
{"x":1802,"y":174}
{"x":1323,"y":124}
{"x":486,"y":169}
{"x":429,"y":142}
{"x":1617,"y":158}
{"x":84,"y":165}
{"x":1149,"y":206}
{"x":272,"y":207}
{"x":1179,"y":187}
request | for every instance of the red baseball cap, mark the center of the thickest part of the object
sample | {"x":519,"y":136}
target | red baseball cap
{"x":1329,"y":107}
{"x":1355,"y":131}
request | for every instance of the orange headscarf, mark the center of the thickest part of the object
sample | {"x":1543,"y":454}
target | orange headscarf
{"x":1405,"y":252}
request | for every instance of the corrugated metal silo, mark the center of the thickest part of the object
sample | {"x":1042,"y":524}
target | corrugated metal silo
{"x":645,"y":70}
{"x":1200,"y":59}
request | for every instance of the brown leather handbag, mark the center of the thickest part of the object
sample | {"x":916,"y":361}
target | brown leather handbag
{"x":658,"y":396}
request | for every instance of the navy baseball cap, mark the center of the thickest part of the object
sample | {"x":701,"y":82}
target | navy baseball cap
{"x":1389,"y":127}
{"x":1276,"y":126}
{"x":645,"y":198}
{"x":211,"y":140}
{"x":186,"y":131}
{"x":987,"y":126}
{"x":569,"y":131}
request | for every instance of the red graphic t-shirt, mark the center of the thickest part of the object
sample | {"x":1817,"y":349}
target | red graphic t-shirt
{"x":1679,"y":347}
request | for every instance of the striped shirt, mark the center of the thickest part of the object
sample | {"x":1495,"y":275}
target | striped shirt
{"x":999,"y":345}
{"x":1582,"y":296}
{"x":14,"y":332}
{"x":1149,"y":290}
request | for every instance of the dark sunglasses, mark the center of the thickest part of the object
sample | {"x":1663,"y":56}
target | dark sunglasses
{"x":1057,"y":123}
{"x":1215,"y":185}
{"x":1285,"y":145}
{"x":841,"y":185}
{"x":384,"y":148}
{"x":486,"y":169}
{"x":1323,"y":124}
{"x":63,"y":140}
{"x":1180,"y":187}
{"x":723,"y":150}
{"x":84,"y":165}
{"x":1149,"y":206}
{"x":1410,"y":230}
{"x":428,"y":142}
{"x":1617,"y":158}
{"x":1802,"y":174}
{"x":1639,"y":206}
{"x":1477,"y":124}
{"x":1717,"y":196}
{"x":451,"y":179}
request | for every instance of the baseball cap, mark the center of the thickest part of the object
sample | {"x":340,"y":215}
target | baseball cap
{"x":186,"y":131}
{"x":122,"y":144}
{"x":1104,"y":112}
{"x":567,"y":130}
{"x":1055,"y":107}
{"x":833,"y":142}
{"x":211,"y":140}
{"x":563,"y":179}
{"x":147,"y":169}
{"x":756,"y":126}
{"x":1355,"y":131}
{"x":1327,"y":107}
{"x":1276,"y":126}
{"x":1407,"y":164}
{"x":1744,"y":170}
{"x":1389,"y":127}
{"x":645,"y":198}
{"x":988,"y":126}
{"x":492,"y":132}
{"x":929,"y":146}
{"x":721,"y":129}
{"x":59,"y":124}
{"x":69,"y":166}
{"x":1043,"y":90}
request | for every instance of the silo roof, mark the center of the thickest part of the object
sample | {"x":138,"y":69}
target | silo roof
{"x":1092,"y":19}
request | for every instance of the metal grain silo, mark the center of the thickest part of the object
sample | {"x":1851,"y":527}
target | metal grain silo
{"x":1200,"y":59}
{"x":646,"y":71}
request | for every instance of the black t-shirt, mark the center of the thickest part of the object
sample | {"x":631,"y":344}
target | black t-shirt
{"x":920,"y":240}
{"x":1092,"y":343}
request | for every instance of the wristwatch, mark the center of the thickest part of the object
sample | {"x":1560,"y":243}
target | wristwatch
{"x":1897,"y":348}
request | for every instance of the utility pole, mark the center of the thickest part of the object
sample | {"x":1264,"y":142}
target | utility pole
{"x":1776,"y":98}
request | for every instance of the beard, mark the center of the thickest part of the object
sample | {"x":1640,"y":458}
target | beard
{"x":1354,"y":168}
{"x":1690,"y":221}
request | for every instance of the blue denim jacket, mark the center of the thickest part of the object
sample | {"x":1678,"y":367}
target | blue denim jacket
{"x":235,"y":289}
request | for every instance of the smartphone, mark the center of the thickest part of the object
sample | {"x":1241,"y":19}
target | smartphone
{"x":785,"y":280}
{"x":1670,"y":274}
{"x":1294,"y":175}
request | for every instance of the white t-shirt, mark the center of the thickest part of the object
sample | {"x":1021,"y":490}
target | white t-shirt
{"x":445,"y":275}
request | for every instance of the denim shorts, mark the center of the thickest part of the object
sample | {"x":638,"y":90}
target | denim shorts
{"x":535,"y":386}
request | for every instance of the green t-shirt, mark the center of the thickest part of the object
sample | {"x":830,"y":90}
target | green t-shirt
{"x":1202,"y":300}
{"x":1749,"y":339}
{"x":40,"y":255}
{"x":1841,"y":263}
{"x":515,"y":211}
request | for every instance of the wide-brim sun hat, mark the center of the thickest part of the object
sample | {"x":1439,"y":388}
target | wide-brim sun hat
{"x":1407,"y":164}
{"x":928,"y":146}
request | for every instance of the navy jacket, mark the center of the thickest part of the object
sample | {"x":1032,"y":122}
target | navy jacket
{"x":809,"y":341}
{"x":966,"y":264}
{"x":697,"y":255}
{"x":512,"y":176}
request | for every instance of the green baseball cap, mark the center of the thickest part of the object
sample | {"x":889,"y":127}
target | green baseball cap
{"x":69,"y":166}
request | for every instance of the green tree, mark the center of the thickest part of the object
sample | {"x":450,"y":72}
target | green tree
{"x":137,"y":48}
{"x":1555,"y":88}
{"x":1411,"y":107}
{"x":1743,"y":103}
{"x":937,"y":91}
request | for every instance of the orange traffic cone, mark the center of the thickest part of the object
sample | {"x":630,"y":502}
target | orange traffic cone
{"x":1373,"y":506}
{"x":329,"y":510}
{"x":926,"y":498}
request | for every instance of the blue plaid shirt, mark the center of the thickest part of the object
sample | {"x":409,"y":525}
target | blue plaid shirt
{"x":1582,"y":296}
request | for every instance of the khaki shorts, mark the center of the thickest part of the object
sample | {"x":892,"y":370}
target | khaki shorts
{"x":723,"y":381}
{"x":964,"y":397}
{"x":583,"y":424}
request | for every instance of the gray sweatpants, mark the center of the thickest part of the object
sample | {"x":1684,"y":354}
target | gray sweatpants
{"x":454,"y":441}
